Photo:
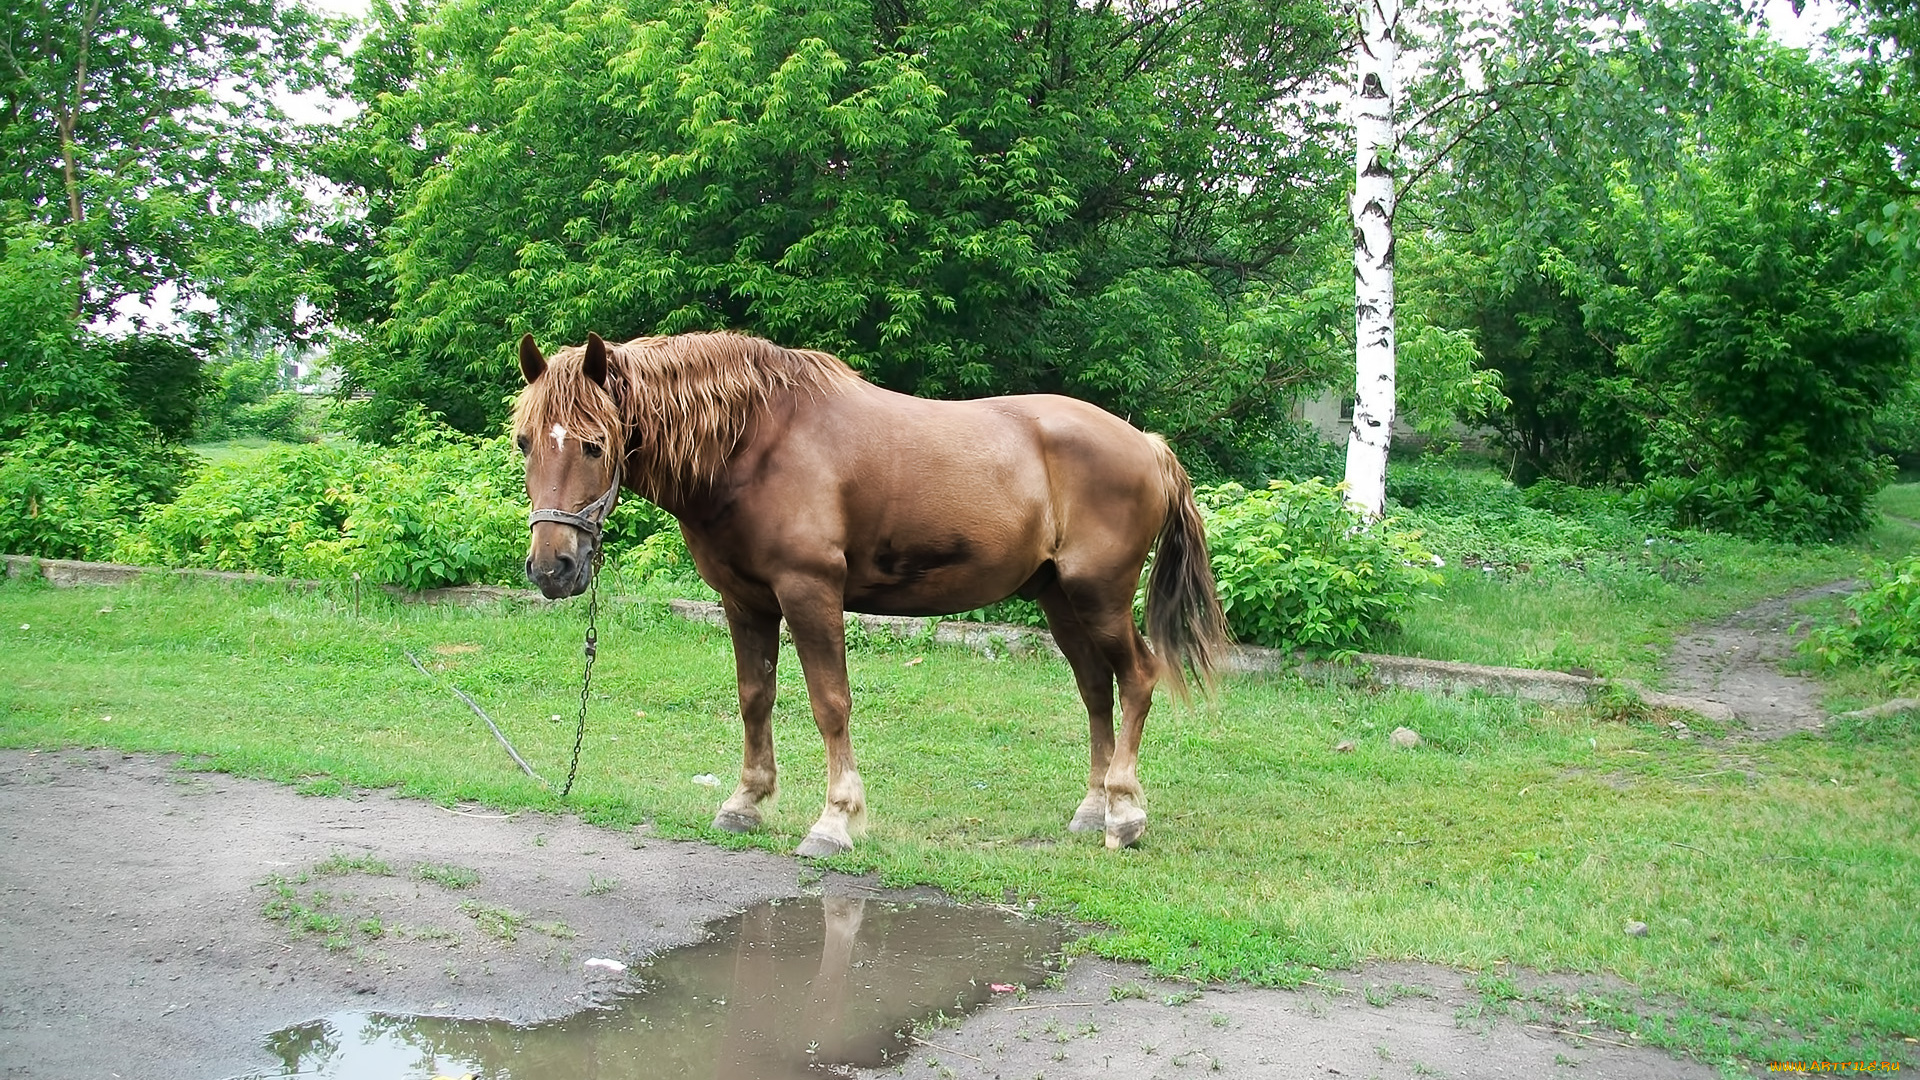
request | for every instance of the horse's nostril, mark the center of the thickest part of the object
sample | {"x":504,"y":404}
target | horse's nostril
{"x":563,"y":565}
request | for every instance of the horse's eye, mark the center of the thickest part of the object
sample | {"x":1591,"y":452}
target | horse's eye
{"x":521,"y":442}
{"x":590,"y":449}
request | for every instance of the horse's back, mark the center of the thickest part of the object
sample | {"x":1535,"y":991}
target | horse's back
{"x":941,"y":506}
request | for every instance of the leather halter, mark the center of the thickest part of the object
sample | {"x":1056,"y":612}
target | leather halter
{"x":590,"y":519}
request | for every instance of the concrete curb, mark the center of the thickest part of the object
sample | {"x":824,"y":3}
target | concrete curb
{"x":70,"y":572}
{"x":991,"y":639}
{"x":1401,"y":672}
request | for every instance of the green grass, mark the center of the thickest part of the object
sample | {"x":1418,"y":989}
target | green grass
{"x":448,"y":876}
{"x":1779,"y":880}
{"x":1618,"y":615}
{"x":1901,"y":501}
{"x":229,"y":451}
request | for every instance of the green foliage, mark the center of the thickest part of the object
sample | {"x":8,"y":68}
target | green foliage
{"x":1298,"y":566}
{"x":442,"y":510}
{"x":1439,"y":378}
{"x":1897,"y":427}
{"x":1294,"y":450}
{"x":63,"y":496}
{"x":149,"y":132}
{"x":1477,"y":519}
{"x":1761,"y":350}
{"x":163,"y":378}
{"x":259,"y":515}
{"x":250,"y":395}
{"x":957,"y":198}
{"x":47,"y":369}
{"x":1881,"y":631}
{"x":437,"y":508}
{"x":76,"y":462}
{"x":1672,"y":249}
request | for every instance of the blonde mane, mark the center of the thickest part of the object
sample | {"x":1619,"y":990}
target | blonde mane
{"x":680,"y":404}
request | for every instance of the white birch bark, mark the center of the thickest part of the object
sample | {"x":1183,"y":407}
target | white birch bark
{"x":1372,"y":207}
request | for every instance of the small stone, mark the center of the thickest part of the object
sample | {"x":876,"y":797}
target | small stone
{"x":1636,"y":928}
{"x":1344,"y":746}
{"x":1404,"y":738}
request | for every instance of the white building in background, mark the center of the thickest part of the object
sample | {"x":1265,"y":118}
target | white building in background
{"x":310,"y":372}
{"x":1330,"y":413}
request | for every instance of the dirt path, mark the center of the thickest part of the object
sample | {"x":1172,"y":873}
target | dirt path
{"x":1737,"y":663}
{"x":134,"y":943}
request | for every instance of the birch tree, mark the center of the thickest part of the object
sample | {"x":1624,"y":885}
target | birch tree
{"x":1372,"y":206}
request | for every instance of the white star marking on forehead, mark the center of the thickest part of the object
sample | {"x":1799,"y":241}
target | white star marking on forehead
{"x":559,"y":434}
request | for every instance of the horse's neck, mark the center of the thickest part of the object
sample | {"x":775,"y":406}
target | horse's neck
{"x":695,"y":498}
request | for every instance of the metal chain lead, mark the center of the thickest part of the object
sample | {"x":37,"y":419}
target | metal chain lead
{"x":586,"y":674}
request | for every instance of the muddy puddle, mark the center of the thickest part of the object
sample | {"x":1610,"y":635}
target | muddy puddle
{"x":803,"y":988}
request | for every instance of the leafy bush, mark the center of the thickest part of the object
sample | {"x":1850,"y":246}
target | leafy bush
{"x":442,"y":509}
{"x":64,"y":498}
{"x":438,"y":509}
{"x":1298,"y":566}
{"x":1784,"y":508}
{"x":1293,"y":450}
{"x":1013,"y":611}
{"x":76,"y":461}
{"x":258,"y":515}
{"x":1896,"y":424}
{"x":250,"y":395}
{"x":162,"y":378}
{"x":1475,"y":518}
{"x":1882,"y":629}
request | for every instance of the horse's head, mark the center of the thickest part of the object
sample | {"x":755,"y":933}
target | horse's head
{"x":566,"y":425}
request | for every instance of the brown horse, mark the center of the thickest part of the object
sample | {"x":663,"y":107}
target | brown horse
{"x":805,"y":492}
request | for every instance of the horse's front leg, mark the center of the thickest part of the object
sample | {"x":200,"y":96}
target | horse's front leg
{"x":756,"y":649}
{"x":815,"y":615}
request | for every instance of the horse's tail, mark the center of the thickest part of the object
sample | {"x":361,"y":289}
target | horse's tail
{"x":1184,"y":620}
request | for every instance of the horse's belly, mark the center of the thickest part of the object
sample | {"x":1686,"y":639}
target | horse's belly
{"x":932,"y":580}
{"x":920,"y":603}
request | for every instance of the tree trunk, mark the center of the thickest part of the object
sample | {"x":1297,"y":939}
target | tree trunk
{"x":67,"y":116}
{"x":1372,"y":208}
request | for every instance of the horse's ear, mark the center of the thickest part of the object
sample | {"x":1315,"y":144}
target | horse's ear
{"x":596,"y":359}
{"x":531,"y":363}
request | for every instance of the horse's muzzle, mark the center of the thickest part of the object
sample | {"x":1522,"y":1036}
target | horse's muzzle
{"x":559,"y":575}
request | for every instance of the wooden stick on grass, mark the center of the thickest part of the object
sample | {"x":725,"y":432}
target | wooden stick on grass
{"x":482,"y":714}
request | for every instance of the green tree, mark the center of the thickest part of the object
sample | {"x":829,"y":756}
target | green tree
{"x":77,"y":461}
{"x":148,"y":133}
{"x":958,"y":198}
{"x":1669,"y":254}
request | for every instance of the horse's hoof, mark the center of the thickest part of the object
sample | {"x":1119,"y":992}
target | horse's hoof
{"x":1126,"y":833}
{"x":818,"y":845}
{"x":734,"y":821}
{"x":1091,"y":814}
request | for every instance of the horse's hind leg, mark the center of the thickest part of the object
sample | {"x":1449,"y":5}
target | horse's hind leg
{"x":1095,"y":680}
{"x":756,"y":648}
{"x":1105,"y":609}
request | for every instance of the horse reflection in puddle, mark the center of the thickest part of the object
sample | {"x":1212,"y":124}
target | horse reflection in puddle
{"x":764,"y":1029}
{"x":784,"y":991}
